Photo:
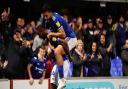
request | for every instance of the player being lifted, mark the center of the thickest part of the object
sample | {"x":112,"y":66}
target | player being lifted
{"x":59,"y":30}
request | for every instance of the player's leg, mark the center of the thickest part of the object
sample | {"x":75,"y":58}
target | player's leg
{"x":54,"y":77}
{"x":66,"y":69}
{"x":68,"y":44}
{"x":59,"y":52}
{"x":66,"y":48}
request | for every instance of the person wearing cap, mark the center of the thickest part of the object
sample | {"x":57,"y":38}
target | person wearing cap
{"x":100,"y":29}
{"x":108,"y":27}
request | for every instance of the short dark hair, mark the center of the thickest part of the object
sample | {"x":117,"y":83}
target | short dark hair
{"x":17,"y":31}
{"x":41,"y":47}
{"x":46,"y":7}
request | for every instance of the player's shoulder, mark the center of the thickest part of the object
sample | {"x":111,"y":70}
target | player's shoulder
{"x":56,"y":16}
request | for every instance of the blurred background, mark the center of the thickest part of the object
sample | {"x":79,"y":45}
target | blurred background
{"x":85,"y":8}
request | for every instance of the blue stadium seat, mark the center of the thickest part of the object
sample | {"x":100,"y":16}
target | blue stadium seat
{"x":116,"y":67}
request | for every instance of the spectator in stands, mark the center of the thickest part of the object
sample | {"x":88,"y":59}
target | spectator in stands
{"x":20,"y":23}
{"x":1,"y":43}
{"x":79,"y":58}
{"x":37,"y":66}
{"x":5,"y":26}
{"x":84,"y":28}
{"x":99,"y":29}
{"x":78,"y":28}
{"x":108,"y":27}
{"x":105,"y":50}
{"x":38,"y":40}
{"x":2,"y":60}
{"x":120,"y":35}
{"x":89,"y":35}
{"x":33,"y":24}
{"x":126,"y":29}
{"x":109,"y":22}
{"x":29,"y":34}
{"x":124,"y":56}
{"x":93,"y":61}
{"x":17,"y":54}
{"x":97,"y":21}
{"x":1,"y":68}
{"x":3,"y":64}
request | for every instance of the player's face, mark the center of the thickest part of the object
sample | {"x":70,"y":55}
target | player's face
{"x":47,"y":15}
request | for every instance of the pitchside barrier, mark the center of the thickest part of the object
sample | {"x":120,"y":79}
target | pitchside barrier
{"x":24,"y":84}
{"x":97,"y":83}
{"x":73,"y":83}
{"x":4,"y":84}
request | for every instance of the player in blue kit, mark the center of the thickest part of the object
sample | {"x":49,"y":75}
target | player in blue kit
{"x":59,"y":30}
{"x":37,"y":66}
{"x":58,"y":27}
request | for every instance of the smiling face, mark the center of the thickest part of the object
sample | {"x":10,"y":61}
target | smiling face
{"x":41,"y":51}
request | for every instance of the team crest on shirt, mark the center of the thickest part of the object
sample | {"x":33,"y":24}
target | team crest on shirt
{"x":57,"y":24}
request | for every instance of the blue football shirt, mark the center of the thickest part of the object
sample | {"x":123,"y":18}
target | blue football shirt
{"x":38,"y":67}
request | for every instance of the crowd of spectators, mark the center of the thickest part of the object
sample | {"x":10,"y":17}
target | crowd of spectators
{"x":98,"y":41}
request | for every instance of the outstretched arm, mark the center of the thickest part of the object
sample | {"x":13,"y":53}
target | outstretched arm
{"x":30,"y":74}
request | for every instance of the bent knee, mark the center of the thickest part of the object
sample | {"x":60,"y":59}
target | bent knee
{"x":59,"y":49}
